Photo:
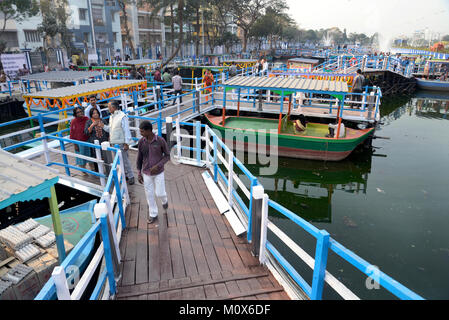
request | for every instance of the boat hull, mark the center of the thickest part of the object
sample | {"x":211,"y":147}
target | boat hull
{"x":291,"y":146}
{"x":433,"y":85}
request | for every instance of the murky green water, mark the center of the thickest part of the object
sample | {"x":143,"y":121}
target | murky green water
{"x":389,"y":205}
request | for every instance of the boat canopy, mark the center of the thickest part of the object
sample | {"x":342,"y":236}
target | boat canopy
{"x":141,"y":62}
{"x":86,"y":89}
{"x":62,"y":76}
{"x":303,"y":60}
{"x":288,"y":85}
{"x":23,"y":180}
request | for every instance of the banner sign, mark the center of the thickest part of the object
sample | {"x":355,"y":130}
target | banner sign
{"x":12,"y":63}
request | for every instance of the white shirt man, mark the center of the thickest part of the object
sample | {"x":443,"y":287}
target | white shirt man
{"x":92,"y":104}
{"x":120,"y":134}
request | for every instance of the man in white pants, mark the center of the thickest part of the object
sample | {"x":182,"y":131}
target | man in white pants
{"x":152,"y":156}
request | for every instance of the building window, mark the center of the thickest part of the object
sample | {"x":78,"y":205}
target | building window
{"x":82,"y":14}
{"x":141,"y":21}
{"x":97,"y":14}
{"x":86,"y":37}
{"x":32,"y":36}
{"x":113,"y":17}
{"x":10,"y":37}
{"x":114,"y":34}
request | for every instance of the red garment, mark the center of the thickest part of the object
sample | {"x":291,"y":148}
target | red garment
{"x":77,"y":129}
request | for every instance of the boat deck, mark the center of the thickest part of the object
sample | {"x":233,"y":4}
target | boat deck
{"x":191,"y":252}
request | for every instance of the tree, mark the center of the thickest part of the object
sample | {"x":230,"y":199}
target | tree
{"x":17,"y":10}
{"x":246,"y":13}
{"x":54,"y":24}
{"x":123,"y":7}
{"x":445,"y":38}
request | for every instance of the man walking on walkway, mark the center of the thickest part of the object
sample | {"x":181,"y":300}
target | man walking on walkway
{"x":177,"y":86}
{"x":120,"y":134}
{"x":153,"y":155}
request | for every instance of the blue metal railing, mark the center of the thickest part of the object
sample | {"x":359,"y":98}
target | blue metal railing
{"x":324,"y":245}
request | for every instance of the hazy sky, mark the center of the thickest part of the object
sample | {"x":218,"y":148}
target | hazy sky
{"x":390,"y":17}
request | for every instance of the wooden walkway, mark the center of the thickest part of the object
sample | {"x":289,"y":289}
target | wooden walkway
{"x":191,"y":251}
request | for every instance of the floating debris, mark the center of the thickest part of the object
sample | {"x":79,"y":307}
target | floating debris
{"x":349,"y":222}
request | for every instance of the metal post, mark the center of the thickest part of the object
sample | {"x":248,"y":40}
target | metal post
{"x":319,"y":270}
{"x":169,"y":131}
{"x":60,"y":280}
{"x":263,"y":230}
{"x":100,"y":165}
{"x":44,"y":140}
{"x":215,"y":159}
{"x":230,"y":177}
{"x":106,"y":208}
{"x":207,"y":147}
{"x":107,"y":253}
{"x":256,"y":218}
{"x":108,"y":158}
{"x":178,"y":139}
{"x":198,"y":142}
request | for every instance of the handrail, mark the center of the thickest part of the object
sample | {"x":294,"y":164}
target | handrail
{"x":324,"y":242}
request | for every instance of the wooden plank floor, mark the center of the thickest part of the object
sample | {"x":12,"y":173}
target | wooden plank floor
{"x":191,"y":252}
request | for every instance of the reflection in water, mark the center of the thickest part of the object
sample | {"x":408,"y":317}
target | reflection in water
{"x":306,"y":187}
{"x":399,"y":221}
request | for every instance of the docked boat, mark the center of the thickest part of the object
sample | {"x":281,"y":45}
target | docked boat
{"x":433,"y":85}
{"x":294,"y":137}
{"x":313,"y":143}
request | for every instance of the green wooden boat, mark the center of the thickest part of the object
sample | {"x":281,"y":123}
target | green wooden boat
{"x":252,"y":133}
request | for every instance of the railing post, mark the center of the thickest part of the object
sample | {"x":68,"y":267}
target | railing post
{"x":263,"y":230}
{"x":123,"y":174}
{"x":60,"y":280}
{"x":44,"y":140}
{"x":108,"y":158}
{"x":106,"y":207}
{"x":254,"y":221}
{"x":100,"y":165}
{"x":207,"y":133}
{"x":230,"y":177}
{"x":319,"y":270}
{"x":178,"y":138}
{"x":107,"y":253}
{"x":64,"y":157}
{"x":169,"y":131}
{"x":215,"y":158}
{"x":198,"y":142}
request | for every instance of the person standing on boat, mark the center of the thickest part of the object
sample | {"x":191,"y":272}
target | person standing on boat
{"x":120,"y":134}
{"x":152,"y":156}
{"x":208,"y":81}
{"x":358,"y":87}
{"x":264,"y":67}
{"x":92,"y":105}
{"x":77,"y":126}
{"x":94,"y":129}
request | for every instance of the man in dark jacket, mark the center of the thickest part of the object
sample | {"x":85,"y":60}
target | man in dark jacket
{"x":152,"y":156}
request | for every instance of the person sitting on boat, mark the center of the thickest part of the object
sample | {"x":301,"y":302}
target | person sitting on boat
{"x":333,"y":130}
{"x":300,"y":124}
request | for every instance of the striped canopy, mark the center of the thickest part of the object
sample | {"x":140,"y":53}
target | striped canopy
{"x":84,"y":89}
{"x":288,"y":84}
{"x":62,"y":76}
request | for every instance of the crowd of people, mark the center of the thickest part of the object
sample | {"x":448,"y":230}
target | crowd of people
{"x":88,"y":125}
